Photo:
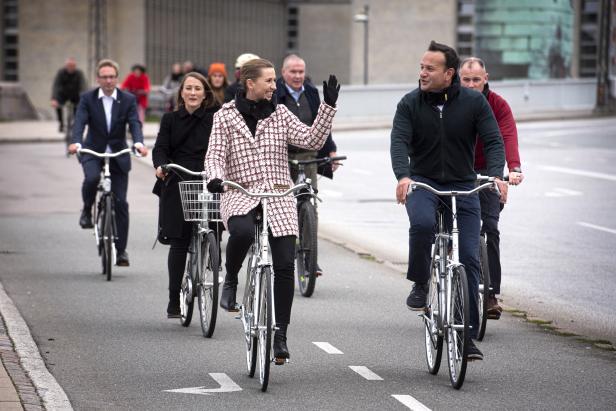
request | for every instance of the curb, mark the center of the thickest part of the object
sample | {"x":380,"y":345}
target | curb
{"x":51,"y":393}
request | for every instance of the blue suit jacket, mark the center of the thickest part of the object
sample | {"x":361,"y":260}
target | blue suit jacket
{"x":91,"y":112}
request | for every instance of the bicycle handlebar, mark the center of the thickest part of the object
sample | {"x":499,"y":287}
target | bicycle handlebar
{"x":417,"y":184}
{"x":167,"y":167}
{"x":264,"y":195}
{"x":318,"y":160}
{"x":104,"y":155}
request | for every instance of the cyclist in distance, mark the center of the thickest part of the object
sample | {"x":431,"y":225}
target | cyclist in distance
{"x":433,"y":138}
{"x":106,"y":111}
{"x":68,"y":84}
{"x":473,"y":75}
{"x":182,"y":139}
{"x":302,"y":99}
{"x":248,"y":145}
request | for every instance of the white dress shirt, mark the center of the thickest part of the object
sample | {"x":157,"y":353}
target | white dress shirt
{"x":107,"y":104}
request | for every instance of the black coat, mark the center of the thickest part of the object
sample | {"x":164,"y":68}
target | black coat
{"x":441,"y":145}
{"x":182,"y":139}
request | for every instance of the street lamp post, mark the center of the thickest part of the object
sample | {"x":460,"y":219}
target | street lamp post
{"x":362,"y":17}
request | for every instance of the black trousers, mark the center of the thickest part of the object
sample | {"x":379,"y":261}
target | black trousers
{"x":119,"y":186}
{"x":241,"y":237}
{"x":490,"y":214}
{"x":176,"y":260}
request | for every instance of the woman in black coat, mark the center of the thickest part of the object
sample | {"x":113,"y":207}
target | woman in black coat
{"x":182,"y":139}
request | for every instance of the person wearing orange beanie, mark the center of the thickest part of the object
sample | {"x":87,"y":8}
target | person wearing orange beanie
{"x":217,"y":77}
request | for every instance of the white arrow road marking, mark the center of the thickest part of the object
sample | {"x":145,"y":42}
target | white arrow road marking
{"x":597,"y":227}
{"x":584,"y":173}
{"x":328,"y":348}
{"x":226,"y":385}
{"x":562,"y":192}
{"x":411,"y":402}
{"x":365,"y":372}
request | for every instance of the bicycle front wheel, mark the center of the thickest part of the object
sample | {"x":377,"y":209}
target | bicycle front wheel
{"x":433,"y":333}
{"x":458,"y":330}
{"x":248,"y":313}
{"x":187,"y":296}
{"x":484,"y":287}
{"x":107,"y":238}
{"x":306,"y":249}
{"x":207,"y":287}
{"x":264,"y":326}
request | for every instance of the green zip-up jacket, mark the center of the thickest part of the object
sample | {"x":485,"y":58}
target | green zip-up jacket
{"x":440,"y":145}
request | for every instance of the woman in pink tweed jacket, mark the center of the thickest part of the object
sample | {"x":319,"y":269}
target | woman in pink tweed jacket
{"x":248,"y":145}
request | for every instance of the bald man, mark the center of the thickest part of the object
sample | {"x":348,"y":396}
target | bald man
{"x":68,"y":84}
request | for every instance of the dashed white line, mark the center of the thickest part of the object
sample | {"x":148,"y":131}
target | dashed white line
{"x":361,"y":171}
{"x":411,"y":402}
{"x":597,"y":227}
{"x":327,"y":347}
{"x":562,"y":192}
{"x":584,"y":173}
{"x":365,"y":372}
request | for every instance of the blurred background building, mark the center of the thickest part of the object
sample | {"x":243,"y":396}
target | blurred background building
{"x":361,"y":41}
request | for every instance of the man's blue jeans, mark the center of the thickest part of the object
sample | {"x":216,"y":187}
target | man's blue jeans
{"x":421,"y":207}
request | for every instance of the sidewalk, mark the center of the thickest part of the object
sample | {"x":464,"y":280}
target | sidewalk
{"x":47,"y":131}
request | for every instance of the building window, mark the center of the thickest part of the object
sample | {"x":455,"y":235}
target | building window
{"x":292,"y":29}
{"x":9,"y":41}
{"x":589,"y":31}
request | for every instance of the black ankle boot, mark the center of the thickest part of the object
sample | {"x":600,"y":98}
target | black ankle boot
{"x":280,"y":342}
{"x":227,"y":298}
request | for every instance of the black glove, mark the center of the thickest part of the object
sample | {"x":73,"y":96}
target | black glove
{"x":215,"y":186}
{"x":330,"y":90}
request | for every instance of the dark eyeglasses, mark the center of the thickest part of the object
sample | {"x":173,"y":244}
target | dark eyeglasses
{"x":107,"y":77}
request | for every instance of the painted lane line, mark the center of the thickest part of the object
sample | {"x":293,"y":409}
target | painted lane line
{"x":597,"y":227}
{"x":361,"y":171}
{"x":584,"y":173}
{"x":365,"y":372}
{"x":411,"y":402}
{"x":562,"y":192}
{"x":328,"y":348}
{"x":225,"y":382}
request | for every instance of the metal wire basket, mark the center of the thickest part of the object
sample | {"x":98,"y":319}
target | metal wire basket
{"x":197,"y":203}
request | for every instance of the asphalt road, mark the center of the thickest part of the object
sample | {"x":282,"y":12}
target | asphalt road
{"x":110,"y":346}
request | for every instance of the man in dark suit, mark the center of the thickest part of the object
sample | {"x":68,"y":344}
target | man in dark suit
{"x":107,"y":110}
{"x":302,"y":99}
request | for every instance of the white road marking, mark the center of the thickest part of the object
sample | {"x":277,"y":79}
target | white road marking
{"x":329,"y":193}
{"x":361,"y":171}
{"x":225,"y":382}
{"x":52,"y":394}
{"x":365,"y":372}
{"x":597,"y":227}
{"x":411,"y":402}
{"x":328,"y":348}
{"x":584,"y":173}
{"x":562,"y":192}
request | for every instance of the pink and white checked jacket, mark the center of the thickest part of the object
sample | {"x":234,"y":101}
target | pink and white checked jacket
{"x":261,"y":162}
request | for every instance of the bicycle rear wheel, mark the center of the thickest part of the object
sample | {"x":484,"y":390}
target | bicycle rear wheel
{"x":207,"y":286}
{"x":433,"y":333}
{"x":306,"y":249}
{"x":458,"y":330}
{"x":107,"y":238}
{"x":264,"y":326}
{"x":187,"y":295}
{"x":248,"y":312}
{"x":484,"y":287}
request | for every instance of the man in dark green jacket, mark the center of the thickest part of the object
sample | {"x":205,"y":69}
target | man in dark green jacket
{"x":433,"y":141}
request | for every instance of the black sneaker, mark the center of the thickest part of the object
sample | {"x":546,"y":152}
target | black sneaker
{"x":85,"y":219}
{"x":417,"y":298}
{"x":472,"y":352}
{"x":173,"y":310}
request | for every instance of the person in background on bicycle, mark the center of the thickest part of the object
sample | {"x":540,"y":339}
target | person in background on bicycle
{"x":302,"y":99}
{"x":107,"y":132}
{"x":138,"y":83}
{"x":68,"y":84}
{"x":171,"y":85}
{"x":433,"y":141}
{"x":182,"y":139}
{"x":474,"y":76}
{"x":248,"y":145}
{"x":232,"y":89}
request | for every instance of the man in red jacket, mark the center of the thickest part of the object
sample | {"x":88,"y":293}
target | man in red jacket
{"x":473,"y":75}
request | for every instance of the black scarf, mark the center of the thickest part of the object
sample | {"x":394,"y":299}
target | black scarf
{"x":253,"y":111}
{"x":439,"y":98}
